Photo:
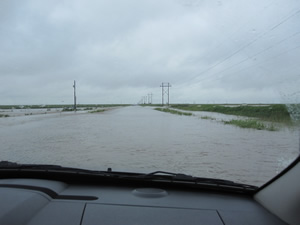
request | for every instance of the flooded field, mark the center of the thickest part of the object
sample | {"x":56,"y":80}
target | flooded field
{"x":141,"y":139}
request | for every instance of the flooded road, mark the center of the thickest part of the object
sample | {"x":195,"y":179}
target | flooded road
{"x":140,"y":139}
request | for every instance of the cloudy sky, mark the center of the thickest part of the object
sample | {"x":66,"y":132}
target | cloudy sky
{"x":118,"y":51}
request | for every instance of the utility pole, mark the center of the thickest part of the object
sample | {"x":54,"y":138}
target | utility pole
{"x":168,"y":93}
{"x":74,"y":86}
{"x":162,"y":93}
{"x":165,"y":89}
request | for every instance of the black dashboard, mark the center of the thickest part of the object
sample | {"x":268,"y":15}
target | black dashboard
{"x":38,"y":201}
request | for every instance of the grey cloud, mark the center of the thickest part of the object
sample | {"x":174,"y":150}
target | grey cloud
{"x":130,"y":47}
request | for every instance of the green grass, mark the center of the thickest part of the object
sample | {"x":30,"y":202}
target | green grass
{"x":67,"y":109}
{"x":97,"y":111}
{"x":207,"y":118}
{"x":274,"y":112}
{"x":174,"y":111}
{"x":153,"y":105}
{"x":251,"y":123}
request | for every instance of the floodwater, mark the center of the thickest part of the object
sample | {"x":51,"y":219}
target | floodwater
{"x":141,"y":139}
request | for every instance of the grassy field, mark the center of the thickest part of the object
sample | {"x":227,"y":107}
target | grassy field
{"x":273,"y":113}
{"x":174,"y":111}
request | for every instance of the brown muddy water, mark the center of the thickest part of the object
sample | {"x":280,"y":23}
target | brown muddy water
{"x":141,"y":139}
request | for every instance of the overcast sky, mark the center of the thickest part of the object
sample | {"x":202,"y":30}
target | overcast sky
{"x":118,"y":51}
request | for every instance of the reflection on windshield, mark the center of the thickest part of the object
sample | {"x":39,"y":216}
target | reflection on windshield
{"x":207,"y":88}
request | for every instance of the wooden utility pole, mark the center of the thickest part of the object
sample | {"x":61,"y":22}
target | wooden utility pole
{"x":165,"y":91}
{"x":74,"y":86}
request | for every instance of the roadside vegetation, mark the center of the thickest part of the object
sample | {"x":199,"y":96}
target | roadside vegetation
{"x":207,"y":118}
{"x":251,"y":123}
{"x":63,"y":106}
{"x":263,"y":117}
{"x":174,"y":111}
{"x":97,"y":111}
{"x":4,"y":115}
{"x":67,"y":109}
{"x":153,"y":105}
{"x":273,"y":113}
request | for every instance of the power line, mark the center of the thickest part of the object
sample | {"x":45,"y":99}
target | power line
{"x":260,"y":52}
{"x":229,"y":37}
{"x":260,"y":63}
{"x":288,"y":17}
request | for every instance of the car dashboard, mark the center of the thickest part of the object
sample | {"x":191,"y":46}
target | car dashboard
{"x":41,"y":201}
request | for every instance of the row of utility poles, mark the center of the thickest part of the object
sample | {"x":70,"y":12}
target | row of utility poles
{"x":165,"y":95}
{"x":147,"y":99}
{"x":165,"y":91}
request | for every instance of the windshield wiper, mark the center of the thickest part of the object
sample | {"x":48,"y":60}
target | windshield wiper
{"x":184,"y":178}
{"x":14,"y":165}
{"x":155,"y":177}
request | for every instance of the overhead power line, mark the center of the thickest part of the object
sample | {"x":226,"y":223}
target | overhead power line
{"x":260,"y":52}
{"x":288,"y":17}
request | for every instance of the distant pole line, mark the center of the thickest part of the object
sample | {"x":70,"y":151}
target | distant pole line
{"x":147,"y":99}
{"x":165,"y":90}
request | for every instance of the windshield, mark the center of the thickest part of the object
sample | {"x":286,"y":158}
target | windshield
{"x":205,"y":88}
